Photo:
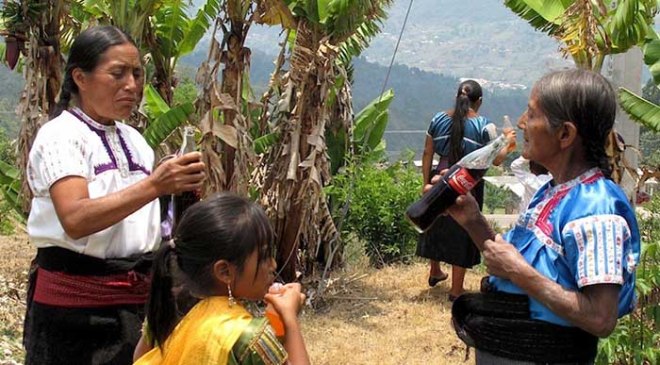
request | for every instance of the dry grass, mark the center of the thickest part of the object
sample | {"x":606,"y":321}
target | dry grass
{"x":15,"y":257}
{"x":366,"y":316}
{"x":389,"y":316}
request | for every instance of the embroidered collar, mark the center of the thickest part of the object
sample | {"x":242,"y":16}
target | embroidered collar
{"x":586,"y":177}
{"x":78,"y":113}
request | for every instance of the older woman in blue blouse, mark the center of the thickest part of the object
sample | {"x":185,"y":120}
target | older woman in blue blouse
{"x":566,"y":271}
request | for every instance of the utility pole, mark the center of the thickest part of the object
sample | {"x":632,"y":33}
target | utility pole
{"x":625,"y":70}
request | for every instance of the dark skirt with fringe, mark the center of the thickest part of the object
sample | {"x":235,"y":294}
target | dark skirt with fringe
{"x":448,"y":242}
{"x":82,"y":336}
{"x":106,"y":335}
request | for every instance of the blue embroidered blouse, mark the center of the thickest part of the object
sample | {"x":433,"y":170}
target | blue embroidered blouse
{"x":580,"y":233}
{"x":478,"y":131}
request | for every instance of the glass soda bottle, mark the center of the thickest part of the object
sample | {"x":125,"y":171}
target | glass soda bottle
{"x":459,"y":180}
{"x":273,"y":317}
{"x":182,"y":201}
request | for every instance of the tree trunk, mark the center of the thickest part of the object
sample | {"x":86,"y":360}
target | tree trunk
{"x":298,"y":166}
{"x":43,"y":80}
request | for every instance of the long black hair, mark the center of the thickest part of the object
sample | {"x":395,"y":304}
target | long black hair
{"x":85,"y":54}
{"x":223,"y":227}
{"x":469,"y":92}
{"x":586,"y":99}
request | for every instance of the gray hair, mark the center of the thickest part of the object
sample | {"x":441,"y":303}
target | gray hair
{"x":586,"y":99}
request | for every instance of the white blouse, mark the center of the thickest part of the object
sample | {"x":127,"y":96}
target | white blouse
{"x":111,"y":158}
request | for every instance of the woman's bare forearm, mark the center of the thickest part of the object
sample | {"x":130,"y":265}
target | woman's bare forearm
{"x":594,"y":309}
{"x":479,"y":230}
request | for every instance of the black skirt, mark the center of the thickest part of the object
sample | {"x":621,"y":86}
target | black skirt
{"x":85,"y":336}
{"x":56,"y":335}
{"x":448,"y":242}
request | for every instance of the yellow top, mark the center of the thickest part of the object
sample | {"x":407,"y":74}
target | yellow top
{"x":210,"y":334}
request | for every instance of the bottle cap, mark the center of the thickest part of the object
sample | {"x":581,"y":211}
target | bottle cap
{"x":275,"y":288}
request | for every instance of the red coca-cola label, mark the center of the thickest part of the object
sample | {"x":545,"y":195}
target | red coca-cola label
{"x":462,"y":182}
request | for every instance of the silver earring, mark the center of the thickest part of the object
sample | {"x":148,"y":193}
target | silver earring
{"x":232,"y":300}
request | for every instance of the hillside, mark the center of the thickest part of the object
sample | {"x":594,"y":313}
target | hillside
{"x":469,"y":38}
{"x":418,"y":96}
{"x":12,"y":85}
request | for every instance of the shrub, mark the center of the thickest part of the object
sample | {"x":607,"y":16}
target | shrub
{"x":379,"y":194}
{"x":636,"y":339}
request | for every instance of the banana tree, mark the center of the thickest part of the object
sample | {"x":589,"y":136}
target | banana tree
{"x":324,"y":34}
{"x":10,"y":186}
{"x":640,"y":110}
{"x":228,"y":151}
{"x":162,"y":29}
{"x":37,"y":25}
{"x":592,"y":29}
{"x":45,"y":28}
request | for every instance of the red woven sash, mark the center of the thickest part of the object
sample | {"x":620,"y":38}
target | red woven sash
{"x":77,"y":291}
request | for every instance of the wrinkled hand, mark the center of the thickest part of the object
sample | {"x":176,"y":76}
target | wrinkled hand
{"x":464,"y":210}
{"x":179,"y":174}
{"x":287,"y":302}
{"x":434,"y":180}
{"x":501,"y":258}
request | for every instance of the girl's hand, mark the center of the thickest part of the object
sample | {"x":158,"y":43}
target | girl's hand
{"x":287,"y":302}
{"x":502,"y":258}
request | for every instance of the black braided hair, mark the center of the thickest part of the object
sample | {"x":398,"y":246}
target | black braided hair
{"x":469,"y":92}
{"x":597,"y":156}
{"x":85,"y":54}
{"x":586,"y":99}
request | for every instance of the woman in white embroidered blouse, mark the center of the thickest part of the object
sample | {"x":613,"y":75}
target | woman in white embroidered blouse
{"x":95,"y":215}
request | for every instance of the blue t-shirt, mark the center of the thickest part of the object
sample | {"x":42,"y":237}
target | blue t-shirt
{"x":580,"y":233}
{"x":477,"y":133}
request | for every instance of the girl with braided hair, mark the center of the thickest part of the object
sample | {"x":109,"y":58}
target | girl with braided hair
{"x":95,"y":216}
{"x":565,"y":273}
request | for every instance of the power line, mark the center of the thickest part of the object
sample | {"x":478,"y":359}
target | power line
{"x":389,"y":69}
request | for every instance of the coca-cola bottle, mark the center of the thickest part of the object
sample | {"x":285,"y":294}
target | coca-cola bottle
{"x":181,"y":201}
{"x":458,"y":180}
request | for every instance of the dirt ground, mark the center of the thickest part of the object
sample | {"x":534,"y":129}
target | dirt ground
{"x":367,"y":316}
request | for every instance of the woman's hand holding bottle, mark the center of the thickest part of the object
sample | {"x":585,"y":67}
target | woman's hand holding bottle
{"x":179,"y":174}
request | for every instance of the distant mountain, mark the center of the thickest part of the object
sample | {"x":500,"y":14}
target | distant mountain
{"x":418,"y":96}
{"x":12,"y":84}
{"x":468,"y":38}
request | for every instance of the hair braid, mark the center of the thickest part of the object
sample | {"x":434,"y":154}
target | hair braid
{"x":596,"y":154}
{"x":68,"y":88}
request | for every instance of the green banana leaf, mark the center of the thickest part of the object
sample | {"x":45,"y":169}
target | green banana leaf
{"x":263,"y":143}
{"x":375,"y":136}
{"x":639,"y":109}
{"x":165,"y":124}
{"x":369,"y":128}
{"x":155,"y":106}
{"x":198,"y":26}
{"x":652,"y":58}
{"x":337,"y":148}
{"x":369,"y":122}
{"x":10,"y":185}
{"x":543,"y":18}
{"x":8,"y":173}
